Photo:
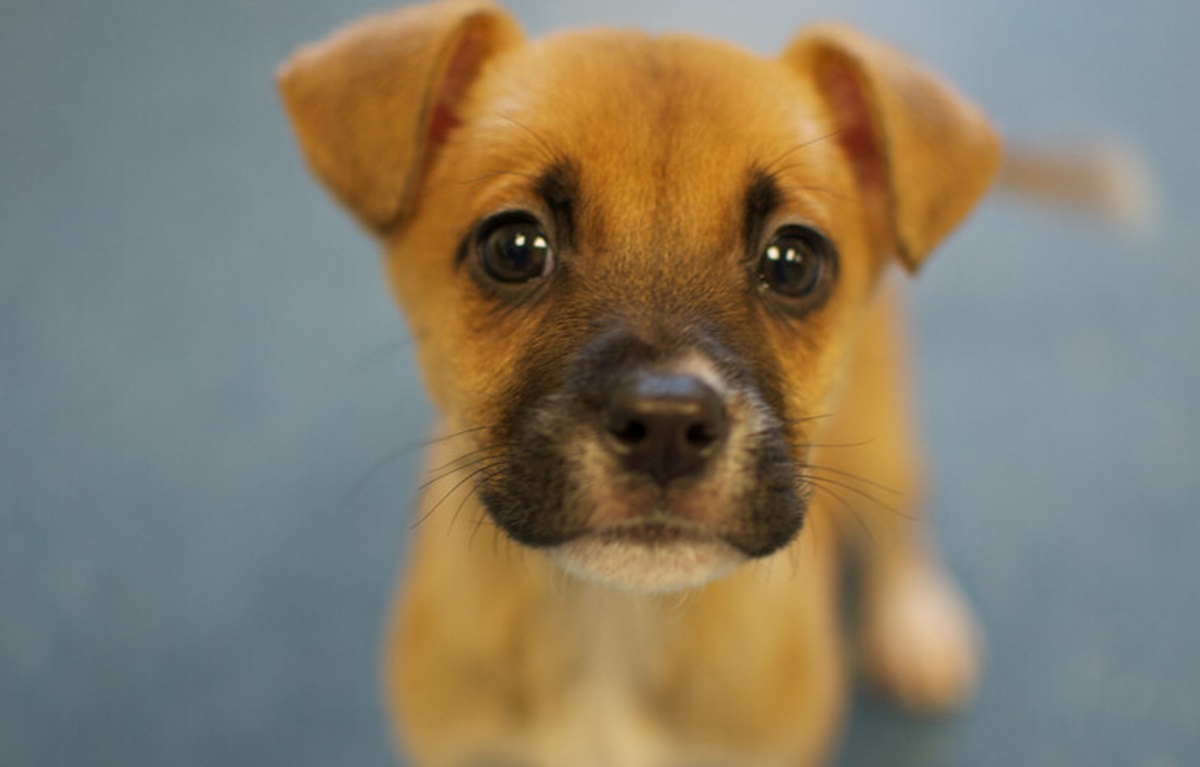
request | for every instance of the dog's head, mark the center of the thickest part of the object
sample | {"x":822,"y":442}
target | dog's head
{"x":633,"y":265}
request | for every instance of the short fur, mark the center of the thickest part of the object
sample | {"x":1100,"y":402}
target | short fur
{"x":560,"y":607}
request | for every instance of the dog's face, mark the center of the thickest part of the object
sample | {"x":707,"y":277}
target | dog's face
{"x":639,"y":296}
{"x":632,"y":267}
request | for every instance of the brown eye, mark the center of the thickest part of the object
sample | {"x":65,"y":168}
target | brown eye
{"x":515,"y":251}
{"x":798,"y":263}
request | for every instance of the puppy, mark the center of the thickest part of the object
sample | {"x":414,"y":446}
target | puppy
{"x":647,"y":279}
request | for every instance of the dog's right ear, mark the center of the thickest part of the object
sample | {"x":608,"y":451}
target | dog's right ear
{"x":372,"y":103}
{"x":921,"y":150}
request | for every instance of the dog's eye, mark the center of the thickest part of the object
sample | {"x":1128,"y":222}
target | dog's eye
{"x":798,"y":263}
{"x":516,"y":251}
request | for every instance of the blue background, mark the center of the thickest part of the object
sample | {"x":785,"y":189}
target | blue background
{"x":199,"y":363}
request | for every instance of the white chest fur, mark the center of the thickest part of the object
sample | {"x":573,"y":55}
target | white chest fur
{"x":605,"y":723}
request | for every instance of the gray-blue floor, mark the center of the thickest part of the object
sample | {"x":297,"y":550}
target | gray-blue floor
{"x":198,"y":363}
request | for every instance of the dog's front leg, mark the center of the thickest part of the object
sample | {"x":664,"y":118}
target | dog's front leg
{"x":918,"y":638}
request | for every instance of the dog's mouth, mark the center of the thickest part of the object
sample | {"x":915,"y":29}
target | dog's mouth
{"x":655,"y":533}
{"x":650,"y":556}
{"x":602,"y":524}
{"x":634,"y":535}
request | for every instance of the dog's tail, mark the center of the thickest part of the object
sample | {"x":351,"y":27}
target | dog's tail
{"x":1105,"y":181}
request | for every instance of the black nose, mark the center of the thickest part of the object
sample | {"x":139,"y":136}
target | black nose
{"x":665,"y":426}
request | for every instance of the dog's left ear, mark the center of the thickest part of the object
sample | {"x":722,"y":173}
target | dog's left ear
{"x":372,"y":104}
{"x":921,"y":152}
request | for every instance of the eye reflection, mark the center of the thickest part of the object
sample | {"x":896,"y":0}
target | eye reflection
{"x":798,"y":263}
{"x":515,"y":251}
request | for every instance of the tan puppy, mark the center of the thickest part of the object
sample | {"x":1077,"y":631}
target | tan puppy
{"x":646,"y":279}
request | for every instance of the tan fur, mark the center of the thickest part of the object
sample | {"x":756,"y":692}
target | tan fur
{"x":497,"y":652}
{"x":427,"y":119}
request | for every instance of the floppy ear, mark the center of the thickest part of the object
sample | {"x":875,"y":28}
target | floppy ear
{"x":921,"y":152}
{"x":372,"y":103}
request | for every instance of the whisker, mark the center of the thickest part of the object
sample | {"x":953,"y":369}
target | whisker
{"x":807,"y":418}
{"x":793,"y":554}
{"x":390,"y":458}
{"x":458,"y":510}
{"x":772,"y":169}
{"x":471,"y":475}
{"x":851,"y":475}
{"x":549,"y":154}
{"x":468,"y":470}
{"x":831,"y":445}
{"x":819,"y":481}
{"x":455,"y":435}
{"x":468,"y":496}
{"x":478,"y":524}
{"x":814,"y":535}
{"x":461,"y":462}
{"x":464,"y":466}
{"x":496,"y":542}
{"x":849,"y":509}
{"x":373,"y":471}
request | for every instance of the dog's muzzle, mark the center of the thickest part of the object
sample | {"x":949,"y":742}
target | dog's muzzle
{"x":646,"y":469}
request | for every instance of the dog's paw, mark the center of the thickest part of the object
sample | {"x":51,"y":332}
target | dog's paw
{"x":920,"y":642}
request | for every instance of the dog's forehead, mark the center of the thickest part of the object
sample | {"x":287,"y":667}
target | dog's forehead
{"x":648,"y":121}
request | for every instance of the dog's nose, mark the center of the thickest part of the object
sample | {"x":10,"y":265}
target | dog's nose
{"x":665,"y":425}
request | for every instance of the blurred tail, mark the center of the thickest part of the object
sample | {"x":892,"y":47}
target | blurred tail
{"x":1100,"y":181}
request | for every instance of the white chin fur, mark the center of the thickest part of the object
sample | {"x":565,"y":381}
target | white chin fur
{"x":646,"y":568}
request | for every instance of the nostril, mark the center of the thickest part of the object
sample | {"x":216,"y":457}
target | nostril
{"x":631,"y":432}
{"x":700,"y":435}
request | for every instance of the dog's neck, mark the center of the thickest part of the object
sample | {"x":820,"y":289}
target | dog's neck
{"x":601,"y":659}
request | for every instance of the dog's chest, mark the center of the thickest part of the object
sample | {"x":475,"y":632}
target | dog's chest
{"x":606,"y":720}
{"x":614,"y":715}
